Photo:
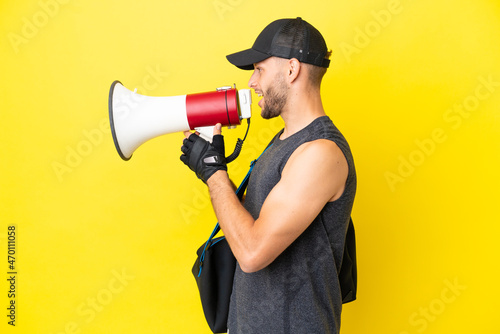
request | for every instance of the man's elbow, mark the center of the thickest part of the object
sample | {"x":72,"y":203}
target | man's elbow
{"x":253,"y":262}
{"x":248,"y":267}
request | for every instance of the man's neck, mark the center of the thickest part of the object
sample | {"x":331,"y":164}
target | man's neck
{"x":300,"y":111}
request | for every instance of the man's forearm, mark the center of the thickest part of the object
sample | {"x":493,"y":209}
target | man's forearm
{"x":236,"y":222}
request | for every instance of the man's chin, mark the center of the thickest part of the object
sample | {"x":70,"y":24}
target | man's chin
{"x":268,"y":115}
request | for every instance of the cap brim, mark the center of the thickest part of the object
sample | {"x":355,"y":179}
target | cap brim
{"x":246,"y":58}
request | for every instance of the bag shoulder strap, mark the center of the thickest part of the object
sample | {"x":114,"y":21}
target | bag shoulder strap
{"x":243,"y":186}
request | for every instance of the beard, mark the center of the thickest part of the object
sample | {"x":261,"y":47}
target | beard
{"x":275,"y":98}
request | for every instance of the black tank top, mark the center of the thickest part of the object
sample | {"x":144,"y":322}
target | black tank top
{"x":299,"y":291}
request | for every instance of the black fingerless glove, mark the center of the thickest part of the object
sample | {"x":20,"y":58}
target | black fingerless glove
{"x":202,"y":157}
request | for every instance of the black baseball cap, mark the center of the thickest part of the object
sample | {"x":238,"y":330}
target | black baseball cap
{"x":285,"y":38}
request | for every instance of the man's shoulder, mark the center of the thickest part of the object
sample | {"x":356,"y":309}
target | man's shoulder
{"x":318,"y":148}
{"x":318,"y":167}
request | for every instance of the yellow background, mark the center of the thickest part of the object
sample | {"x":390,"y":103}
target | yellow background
{"x":406,"y":87}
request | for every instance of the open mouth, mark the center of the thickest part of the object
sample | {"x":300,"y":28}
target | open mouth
{"x":259,"y":94}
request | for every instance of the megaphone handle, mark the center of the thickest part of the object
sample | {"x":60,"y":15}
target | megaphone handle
{"x":206,"y":132}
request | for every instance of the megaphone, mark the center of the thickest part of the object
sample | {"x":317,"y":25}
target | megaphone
{"x":136,"y":118}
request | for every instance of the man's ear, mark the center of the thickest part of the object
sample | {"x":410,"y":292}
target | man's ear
{"x":294,"y":67}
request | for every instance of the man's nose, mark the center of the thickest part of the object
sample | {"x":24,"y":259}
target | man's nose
{"x":252,"y":82}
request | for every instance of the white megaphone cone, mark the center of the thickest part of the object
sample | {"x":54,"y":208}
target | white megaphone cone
{"x":136,"y":118}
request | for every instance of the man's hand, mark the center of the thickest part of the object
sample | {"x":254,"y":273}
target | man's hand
{"x":202,"y":157}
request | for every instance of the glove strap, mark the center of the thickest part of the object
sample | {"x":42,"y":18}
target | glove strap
{"x":196,"y":151}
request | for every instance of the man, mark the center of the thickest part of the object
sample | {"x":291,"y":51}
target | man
{"x":288,"y":237}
